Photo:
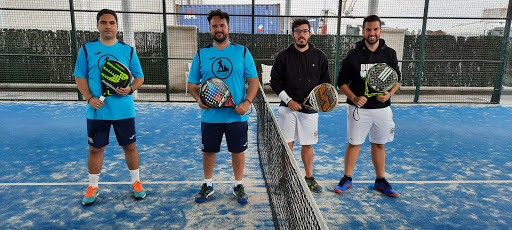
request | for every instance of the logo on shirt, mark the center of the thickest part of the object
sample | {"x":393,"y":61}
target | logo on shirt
{"x":364,"y":70}
{"x":222,"y":68}
{"x":105,"y":58}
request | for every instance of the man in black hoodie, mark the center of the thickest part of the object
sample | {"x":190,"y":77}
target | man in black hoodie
{"x":374,"y":116}
{"x":296,"y":71}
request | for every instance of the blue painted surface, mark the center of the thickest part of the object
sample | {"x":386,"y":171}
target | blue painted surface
{"x":45,"y":142}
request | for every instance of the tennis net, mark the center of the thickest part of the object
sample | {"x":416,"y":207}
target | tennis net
{"x":291,"y":202}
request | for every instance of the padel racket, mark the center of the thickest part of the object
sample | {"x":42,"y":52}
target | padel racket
{"x":380,"y":78}
{"x":215,"y":93}
{"x":114,"y":75}
{"x":323,"y":98}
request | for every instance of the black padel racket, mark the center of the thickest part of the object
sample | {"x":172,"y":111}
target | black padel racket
{"x":381,"y":78}
{"x":114,"y":75}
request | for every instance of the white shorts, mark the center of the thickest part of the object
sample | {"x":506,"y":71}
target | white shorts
{"x":377,"y":122}
{"x":299,"y":126}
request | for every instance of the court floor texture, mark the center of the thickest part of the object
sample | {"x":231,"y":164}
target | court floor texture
{"x":451,"y":164}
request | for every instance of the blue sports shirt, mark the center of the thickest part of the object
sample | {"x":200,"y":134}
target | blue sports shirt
{"x":232,"y":64}
{"x":90,"y":59}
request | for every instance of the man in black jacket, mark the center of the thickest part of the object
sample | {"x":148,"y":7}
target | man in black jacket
{"x":375,"y":116}
{"x":296,"y":71}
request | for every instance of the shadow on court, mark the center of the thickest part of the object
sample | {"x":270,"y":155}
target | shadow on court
{"x":451,"y":165}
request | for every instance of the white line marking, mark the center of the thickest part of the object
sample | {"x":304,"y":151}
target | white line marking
{"x":253,"y":182}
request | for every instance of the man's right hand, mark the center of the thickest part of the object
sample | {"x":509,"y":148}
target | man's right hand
{"x":293,"y":105}
{"x":96,"y":103}
{"x":359,"y":101}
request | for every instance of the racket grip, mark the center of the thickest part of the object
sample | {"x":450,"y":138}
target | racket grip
{"x":102,"y":98}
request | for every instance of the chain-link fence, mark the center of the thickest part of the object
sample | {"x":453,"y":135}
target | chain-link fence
{"x":449,"y":51}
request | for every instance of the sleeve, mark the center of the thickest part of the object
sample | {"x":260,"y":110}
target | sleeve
{"x":324,"y":75}
{"x":346,"y":70}
{"x":135,"y":66}
{"x":249,"y":66}
{"x":81,"y":64}
{"x":277,"y":73}
{"x":194,"y":76}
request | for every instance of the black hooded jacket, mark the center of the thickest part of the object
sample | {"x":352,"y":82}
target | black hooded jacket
{"x":356,"y":64}
{"x":297,"y":73}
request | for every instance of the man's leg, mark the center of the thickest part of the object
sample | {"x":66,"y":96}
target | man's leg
{"x":379,"y":159}
{"x":306,"y":153}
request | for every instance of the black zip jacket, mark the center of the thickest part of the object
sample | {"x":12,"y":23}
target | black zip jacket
{"x":297,"y":73}
{"x":351,"y":74}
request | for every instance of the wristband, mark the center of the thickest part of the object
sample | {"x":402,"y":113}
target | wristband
{"x":131,"y":90}
{"x":284,"y":97}
{"x":89,"y":99}
{"x":248,"y":101}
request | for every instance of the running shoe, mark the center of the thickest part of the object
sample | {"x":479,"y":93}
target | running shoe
{"x":313,"y":185}
{"x":239,"y":192}
{"x":205,"y":192}
{"x":90,"y":195}
{"x":343,"y":185}
{"x":384,"y":187}
{"x":138,"y":191}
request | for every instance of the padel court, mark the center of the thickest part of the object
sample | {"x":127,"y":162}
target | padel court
{"x":451,"y":164}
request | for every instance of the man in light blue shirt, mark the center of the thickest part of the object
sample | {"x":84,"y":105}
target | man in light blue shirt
{"x":234,"y":65}
{"x":117,"y":110}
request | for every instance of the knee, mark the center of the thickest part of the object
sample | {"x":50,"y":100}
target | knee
{"x":130,"y":148}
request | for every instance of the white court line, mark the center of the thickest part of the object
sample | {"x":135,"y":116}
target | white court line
{"x":252,"y":182}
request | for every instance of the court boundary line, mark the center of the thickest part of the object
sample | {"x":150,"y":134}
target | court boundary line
{"x":253,"y":182}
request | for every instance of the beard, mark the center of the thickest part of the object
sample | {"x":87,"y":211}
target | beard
{"x":219,"y":40}
{"x":301,"y":45}
{"x":371,"y":43}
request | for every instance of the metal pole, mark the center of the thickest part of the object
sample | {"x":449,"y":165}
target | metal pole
{"x":496,"y":94}
{"x":422,"y":52}
{"x":165,"y":51}
{"x":74,"y":42}
{"x":252,"y":30}
{"x":336,"y":67}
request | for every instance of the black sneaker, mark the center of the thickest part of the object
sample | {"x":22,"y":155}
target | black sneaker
{"x":205,"y":192}
{"x":239,"y":192}
{"x":384,"y":187}
{"x":313,"y":185}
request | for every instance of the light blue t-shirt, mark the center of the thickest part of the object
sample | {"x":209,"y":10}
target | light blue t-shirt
{"x":90,"y":59}
{"x":232,"y":64}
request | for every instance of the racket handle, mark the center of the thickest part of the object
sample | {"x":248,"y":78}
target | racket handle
{"x":102,"y":98}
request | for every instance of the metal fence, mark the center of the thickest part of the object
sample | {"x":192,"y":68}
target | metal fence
{"x":449,"y":51}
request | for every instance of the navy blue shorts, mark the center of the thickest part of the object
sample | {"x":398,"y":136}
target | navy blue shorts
{"x":98,"y":131}
{"x":236,"y":136}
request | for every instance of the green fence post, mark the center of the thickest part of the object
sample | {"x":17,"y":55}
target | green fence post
{"x":336,"y":67}
{"x":74,"y":42}
{"x":422,"y":52}
{"x":166,"y":54}
{"x":496,"y":94}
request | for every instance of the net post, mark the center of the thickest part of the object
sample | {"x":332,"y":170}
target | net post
{"x":496,"y":93}
{"x":422,"y":52}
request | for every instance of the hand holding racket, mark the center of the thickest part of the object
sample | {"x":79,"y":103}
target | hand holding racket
{"x":323,"y":98}
{"x":114,"y":75}
{"x":214,"y":93}
{"x":380,"y":79}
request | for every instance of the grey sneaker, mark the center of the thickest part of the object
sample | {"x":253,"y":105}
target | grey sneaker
{"x":239,"y":192}
{"x":205,"y":192}
{"x":313,"y":185}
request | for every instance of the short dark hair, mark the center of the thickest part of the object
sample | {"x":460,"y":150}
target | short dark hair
{"x":105,"y":11}
{"x":218,"y":12}
{"x":300,"y":21}
{"x":372,"y":18}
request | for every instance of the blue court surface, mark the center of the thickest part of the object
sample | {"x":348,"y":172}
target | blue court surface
{"x":451,"y":164}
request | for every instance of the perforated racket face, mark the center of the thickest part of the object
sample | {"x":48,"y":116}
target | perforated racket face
{"x":382,"y":77}
{"x":322,"y":98}
{"x":214,"y":93}
{"x":115,"y":75}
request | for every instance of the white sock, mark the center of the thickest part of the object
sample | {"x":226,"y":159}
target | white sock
{"x":237,"y":182}
{"x":209,"y":182}
{"x":135,"y":175}
{"x":93,"y":180}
